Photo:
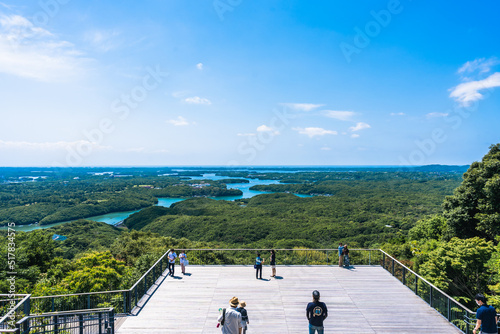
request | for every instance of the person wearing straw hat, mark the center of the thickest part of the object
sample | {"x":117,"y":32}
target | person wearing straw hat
{"x":244,"y":316}
{"x":230,"y":319}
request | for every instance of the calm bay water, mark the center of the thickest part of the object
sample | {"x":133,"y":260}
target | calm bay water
{"x":116,"y":217}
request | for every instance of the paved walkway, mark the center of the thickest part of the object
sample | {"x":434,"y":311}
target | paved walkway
{"x":360,"y":300}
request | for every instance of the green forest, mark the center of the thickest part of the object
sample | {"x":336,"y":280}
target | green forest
{"x":440,"y":221}
{"x":78,"y":194}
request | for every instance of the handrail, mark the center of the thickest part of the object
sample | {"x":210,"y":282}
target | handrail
{"x":426,"y":281}
{"x":80,"y":294}
{"x":107,"y":309}
{"x":150,"y":269}
{"x":275,"y":249}
{"x":13,"y":310}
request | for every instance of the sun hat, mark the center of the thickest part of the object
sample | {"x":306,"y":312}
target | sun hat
{"x":243,"y":304}
{"x":234,"y":301}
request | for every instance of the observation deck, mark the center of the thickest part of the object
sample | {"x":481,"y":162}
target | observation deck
{"x":362,"y":299}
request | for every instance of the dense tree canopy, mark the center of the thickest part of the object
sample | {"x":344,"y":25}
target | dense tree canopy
{"x":474,"y":208}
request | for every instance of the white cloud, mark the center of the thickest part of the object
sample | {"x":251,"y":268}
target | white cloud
{"x":312,"y":132}
{"x":436,"y":114}
{"x":302,"y":106}
{"x":180,"y":93}
{"x":468,"y":92}
{"x":103,"y":40}
{"x":340,"y":115}
{"x":324,"y":148}
{"x":197,"y":100}
{"x":397,"y":114}
{"x":33,"y":52}
{"x":360,"y":126}
{"x":50,"y":146}
{"x":265,"y":128}
{"x":180,"y":121}
{"x":199,"y":66}
{"x":354,"y":135}
{"x":482,"y":65}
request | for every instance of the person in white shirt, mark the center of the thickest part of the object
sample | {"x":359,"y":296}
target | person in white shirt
{"x":230,"y":318}
{"x":183,"y":261}
{"x":171,"y":262}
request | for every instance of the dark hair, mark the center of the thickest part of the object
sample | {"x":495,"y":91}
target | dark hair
{"x":480,"y":297}
{"x":316,"y":295}
{"x":272,"y":251}
{"x":258,"y":254}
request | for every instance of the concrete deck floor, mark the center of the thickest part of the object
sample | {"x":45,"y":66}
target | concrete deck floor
{"x":363,"y":299}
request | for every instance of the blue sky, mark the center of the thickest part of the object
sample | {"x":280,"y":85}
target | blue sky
{"x":239,"y":82}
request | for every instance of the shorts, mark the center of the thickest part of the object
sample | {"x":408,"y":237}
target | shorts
{"x":273,"y":266}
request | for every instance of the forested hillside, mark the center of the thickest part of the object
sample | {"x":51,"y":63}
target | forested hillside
{"x":443,"y":225}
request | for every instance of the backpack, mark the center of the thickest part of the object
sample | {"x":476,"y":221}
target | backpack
{"x":223,"y":316}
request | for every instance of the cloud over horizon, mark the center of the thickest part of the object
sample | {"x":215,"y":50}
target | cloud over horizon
{"x":32,"y":52}
{"x":314,"y":132}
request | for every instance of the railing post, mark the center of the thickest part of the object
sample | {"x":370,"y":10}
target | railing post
{"x":56,"y":325}
{"x":146,"y":283}
{"x":404,"y":275}
{"x":383,"y":260}
{"x":136,"y":301}
{"x":27,"y":306}
{"x":100,"y":322}
{"x":124,"y":301}
{"x":392,"y":267}
{"x":112,"y":320}
{"x":416,"y":285}
{"x":449,"y":309}
{"x":326,"y":257}
{"x":430,"y":296}
{"x":80,"y":323}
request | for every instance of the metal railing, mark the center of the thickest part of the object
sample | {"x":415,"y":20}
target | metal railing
{"x":13,"y":307}
{"x":456,"y":313}
{"x":96,"y":321}
{"x":287,"y":256}
{"x":123,"y":301}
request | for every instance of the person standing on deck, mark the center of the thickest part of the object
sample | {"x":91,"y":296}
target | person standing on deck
{"x":258,"y":266}
{"x":183,"y":261}
{"x":316,"y":312}
{"x":230,"y":318}
{"x":272,"y":260}
{"x":341,"y":255}
{"x":486,"y":316}
{"x":171,"y":262}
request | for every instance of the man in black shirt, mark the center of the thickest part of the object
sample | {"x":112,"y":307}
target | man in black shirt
{"x":316,"y":312}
